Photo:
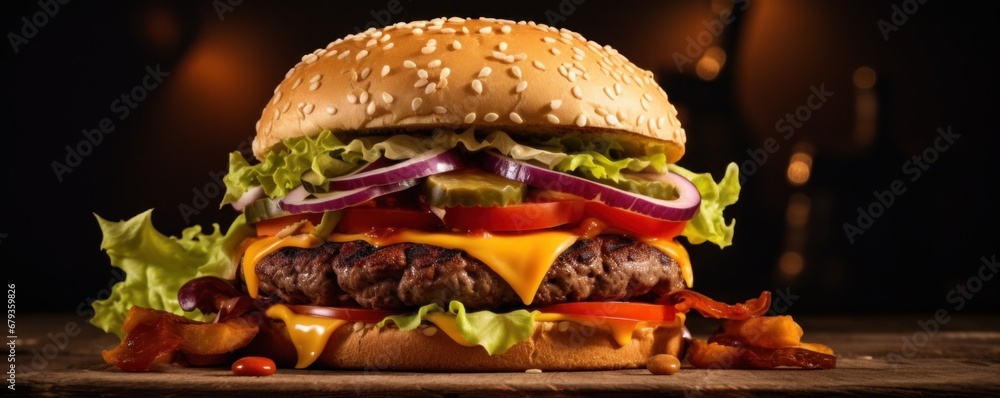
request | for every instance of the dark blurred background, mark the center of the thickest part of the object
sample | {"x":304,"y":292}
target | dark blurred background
{"x":823,"y":104}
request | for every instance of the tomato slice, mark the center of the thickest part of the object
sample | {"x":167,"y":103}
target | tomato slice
{"x":359,"y":220}
{"x":273,"y":226}
{"x":514,"y":218}
{"x":615,"y":309}
{"x":347,"y":314}
{"x":634,"y":223}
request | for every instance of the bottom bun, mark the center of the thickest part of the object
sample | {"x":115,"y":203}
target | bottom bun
{"x":553,"y":347}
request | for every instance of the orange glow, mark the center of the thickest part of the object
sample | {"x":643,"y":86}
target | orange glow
{"x":864,"y":77}
{"x":791,"y":263}
{"x":161,"y":28}
{"x":710,"y":64}
{"x":797,"y":213}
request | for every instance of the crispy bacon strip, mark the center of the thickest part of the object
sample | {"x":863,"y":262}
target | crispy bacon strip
{"x":725,"y":351}
{"x":154,"y":336}
{"x":685,"y":300}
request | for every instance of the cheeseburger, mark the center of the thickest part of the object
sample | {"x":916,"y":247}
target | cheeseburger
{"x":449,"y":195}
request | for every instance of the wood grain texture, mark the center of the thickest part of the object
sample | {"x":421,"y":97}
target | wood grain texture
{"x":963,"y":358}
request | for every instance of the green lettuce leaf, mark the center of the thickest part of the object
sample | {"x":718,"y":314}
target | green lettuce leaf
{"x":282,"y":168}
{"x":494,"y":332}
{"x":157,"y":265}
{"x":709,"y":224}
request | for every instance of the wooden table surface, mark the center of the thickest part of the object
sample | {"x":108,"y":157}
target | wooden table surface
{"x":59,"y":355}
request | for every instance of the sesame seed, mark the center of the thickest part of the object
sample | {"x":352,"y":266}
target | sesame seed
{"x":565,"y":35}
{"x":314,"y":86}
{"x":331,"y":110}
{"x":420,"y":83}
{"x":434,"y":64}
{"x":640,"y":120}
{"x":449,"y":31}
{"x":538,"y":64}
{"x":377,"y":34}
{"x":364,"y":97}
{"x":277,"y":97}
{"x":563,"y":326}
{"x":477,"y":86}
{"x":444,"y":73}
{"x":520,"y":56}
{"x":581,"y":120}
{"x":548,"y":40}
{"x":289,"y":73}
{"x":503,"y":46}
{"x":297,"y":83}
{"x":387,"y":97}
{"x":465,"y":30}
{"x":277,"y":114}
{"x":344,"y":54}
{"x":618,"y":89}
{"x":611,"y":119}
{"x":385,"y":70}
{"x":456,"y":20}
{"x":601,"y":112}
{"x":563,"y":71}
{"x":552,"y":118}
{"x":491,"y":117}
{"x":610,"y":94}
{"x":555,"y":51}
{"x":440,"y":109}
{"x":486,"y":30}
{"x":371,"y":108}
{"x":422,"y":74}
{"x":301,"y":105}
{"x":431,"y":43}
{"x":384,"y":38}
{"x":505,"y":29}
{"x":555,"y":104}
{"x":430,"y":331}
{"x":430,"y":88}
{"x":442,"y":83}
{"x":647,"y":96}
{"x":578,"y":57}
{"x":371,"y":42}
{"x":416,"y":103}
{"x":308,"y":108}
{"x":514,"y":70}
{"x":485,"y":71}
{"x":409,"y":64}
{"x":316,"y":78}
{"x":471,"y":117}
{"x":499,"y":55}
{"x":285,"y":108}
{"x":516,"y":118}
{"x":456,"y":45}
{"x":352,"y":98}
{"x":418,"y":31}
{"x":577,"y":93}
{"x":644,"y":103}
{"x":388,"y":46}
{"x":359,"y":326}
{"x":521,"y":86}
{"x":365,"y":73}
{"x":309,"y":58}
{"x":427,"y":50}
{"x":571,"y":76}
{"x":660,"y":121}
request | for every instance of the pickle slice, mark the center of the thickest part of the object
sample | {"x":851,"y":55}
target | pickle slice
{"x":263,"y":209}
{"x":472,"y":187}
{"x":643,"y":185}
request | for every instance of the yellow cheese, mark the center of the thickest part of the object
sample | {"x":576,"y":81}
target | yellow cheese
{"x":446,"y":322}
{"x":621,"y":329}
{"x":677,"y":252}
{"x":309,"y":334}
{"x":261,"y":248}
{"x":521,"y":260}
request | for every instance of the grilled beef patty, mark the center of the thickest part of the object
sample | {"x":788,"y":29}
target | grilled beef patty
{"x":407,"y":275}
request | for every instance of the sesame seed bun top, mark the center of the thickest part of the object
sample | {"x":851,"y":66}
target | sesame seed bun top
{"x":522,"y":78}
